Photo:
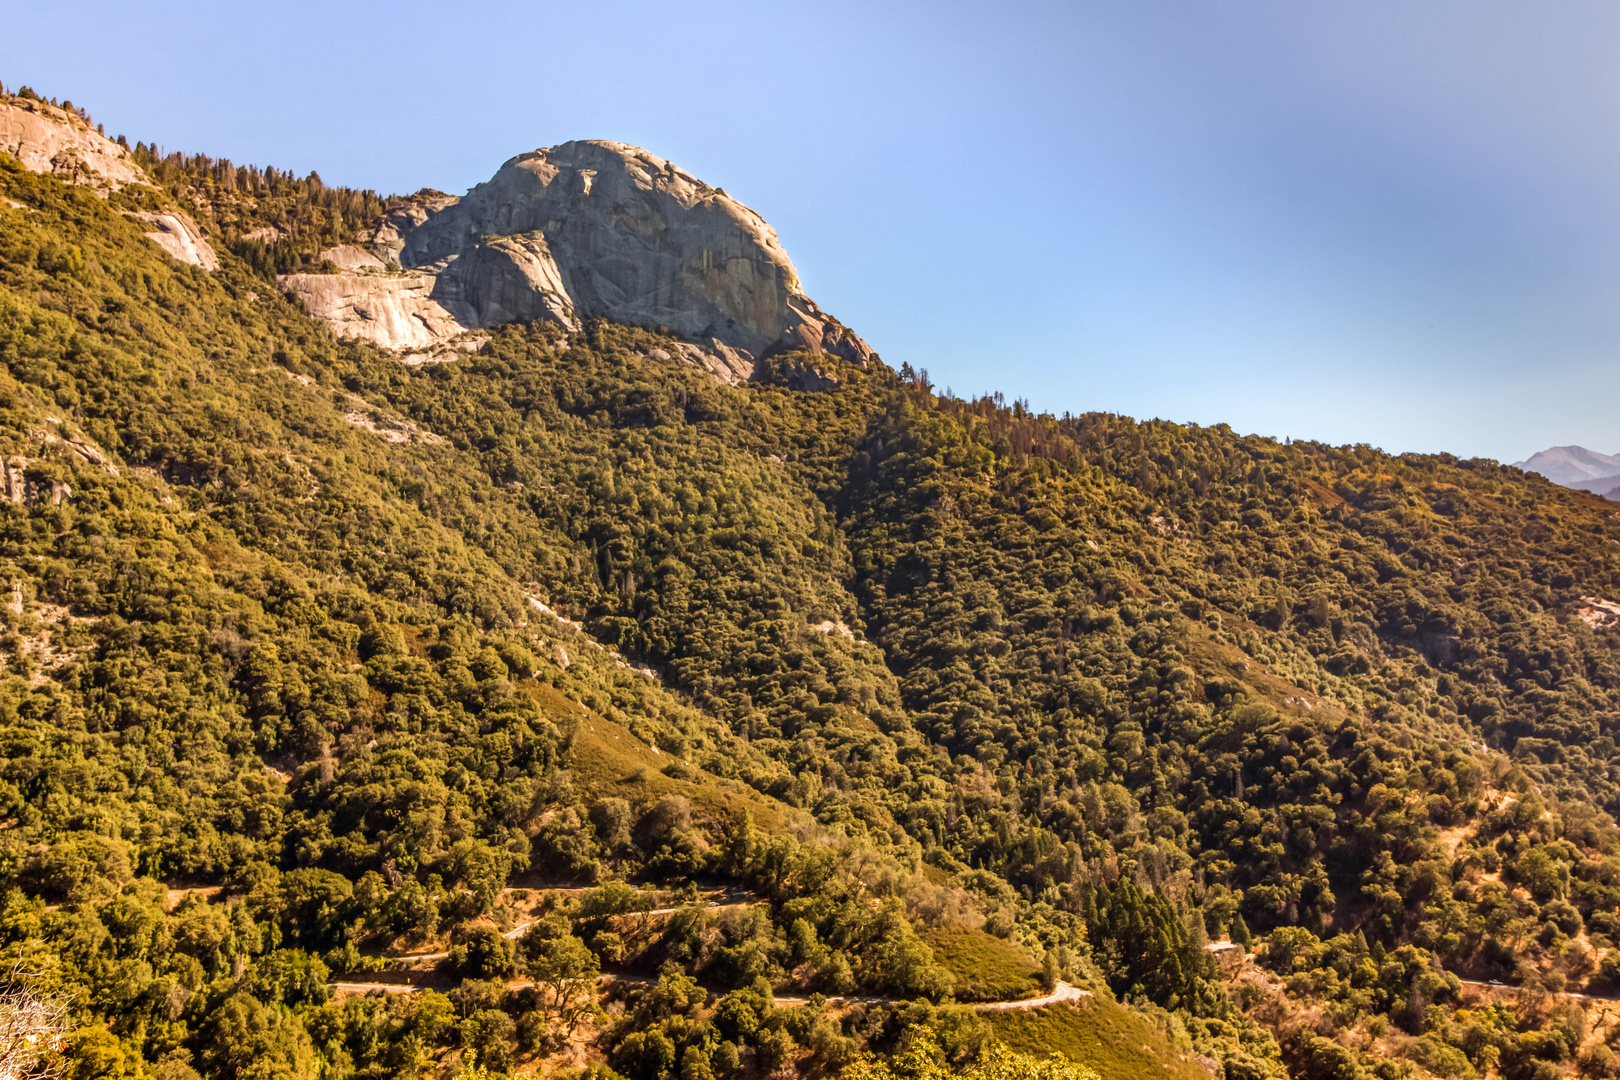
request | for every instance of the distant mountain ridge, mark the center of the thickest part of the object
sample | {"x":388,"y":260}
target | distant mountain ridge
{"x":1575,"y":467}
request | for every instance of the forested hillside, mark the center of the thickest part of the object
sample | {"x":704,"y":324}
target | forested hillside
{"x":325,"y":673}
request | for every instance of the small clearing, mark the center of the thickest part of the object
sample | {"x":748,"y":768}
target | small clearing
{"x":394,"y":429}
{"x":827,"y":626}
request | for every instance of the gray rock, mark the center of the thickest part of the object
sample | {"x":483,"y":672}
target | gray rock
{"x":46,"y":139}
{"x":350,"y":257}
{"x":177,"y":234}
{"x":396,"y":311}
{"x":506,"y":279}
{"x":585,"y":230}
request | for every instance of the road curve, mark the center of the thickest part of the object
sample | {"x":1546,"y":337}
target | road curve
{"x":1063,"y":992}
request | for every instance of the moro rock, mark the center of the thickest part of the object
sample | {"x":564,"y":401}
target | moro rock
{"x":578,"y":231}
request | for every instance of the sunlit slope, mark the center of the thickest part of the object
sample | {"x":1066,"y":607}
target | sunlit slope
{"x":990,"y":686}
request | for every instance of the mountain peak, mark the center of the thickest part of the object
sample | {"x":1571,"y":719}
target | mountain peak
{"x":1573,"y":466}
{"x":584,"y":229}
{"x":59,"y":141}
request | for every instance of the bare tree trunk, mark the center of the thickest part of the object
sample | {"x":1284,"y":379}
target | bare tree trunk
{"x":33,"y":1029}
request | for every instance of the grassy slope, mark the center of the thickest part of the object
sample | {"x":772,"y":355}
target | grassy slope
{"x":1118,"y":1043}
{"x":987,"y":968}
{"x":611,"y":760}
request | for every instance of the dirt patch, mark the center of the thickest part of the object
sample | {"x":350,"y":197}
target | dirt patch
{"x":172,"y":897}
{"x":392,"y":429}
{"x":1596,"y":611}
{"x":1209,"y":656}
{"x":40,"y":648}
{"x":1452,"y":839}
{"x":1327,"y":498}
{"x":827,"y":626}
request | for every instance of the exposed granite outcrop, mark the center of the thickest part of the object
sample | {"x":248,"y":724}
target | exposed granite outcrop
{"x":508,"y":279}
{"x":177,"y":234}
{"x":578,"y":231}
{"x":730,"y":366}
{"x":47,"y":139}
{"x":350,"y":257}
{"x":397,"y":311}
{"x":583,"y":230}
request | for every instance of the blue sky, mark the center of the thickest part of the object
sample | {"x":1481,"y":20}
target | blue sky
{"x":1384,"y":222}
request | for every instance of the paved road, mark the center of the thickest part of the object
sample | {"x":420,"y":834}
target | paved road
{"x":1064,"y":992}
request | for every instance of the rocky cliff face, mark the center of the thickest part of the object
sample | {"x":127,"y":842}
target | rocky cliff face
{"x":397,"y":311}
{"x":177,"y":234}
{"x":581,"y":230}
{"x":47,"y":139}
{"x":504,"y":279}
{"x":51,"y":140}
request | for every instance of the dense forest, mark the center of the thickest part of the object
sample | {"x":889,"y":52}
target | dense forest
{"x":275,"y":222}
{"x":647,"y":727}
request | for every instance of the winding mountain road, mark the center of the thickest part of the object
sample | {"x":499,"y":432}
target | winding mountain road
{"x":1064,"y":992}
{"x":727,"y":899}
{"x":1509,"y":988}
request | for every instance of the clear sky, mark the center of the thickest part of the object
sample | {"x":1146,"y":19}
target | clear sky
{"x":1383,"y":221}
